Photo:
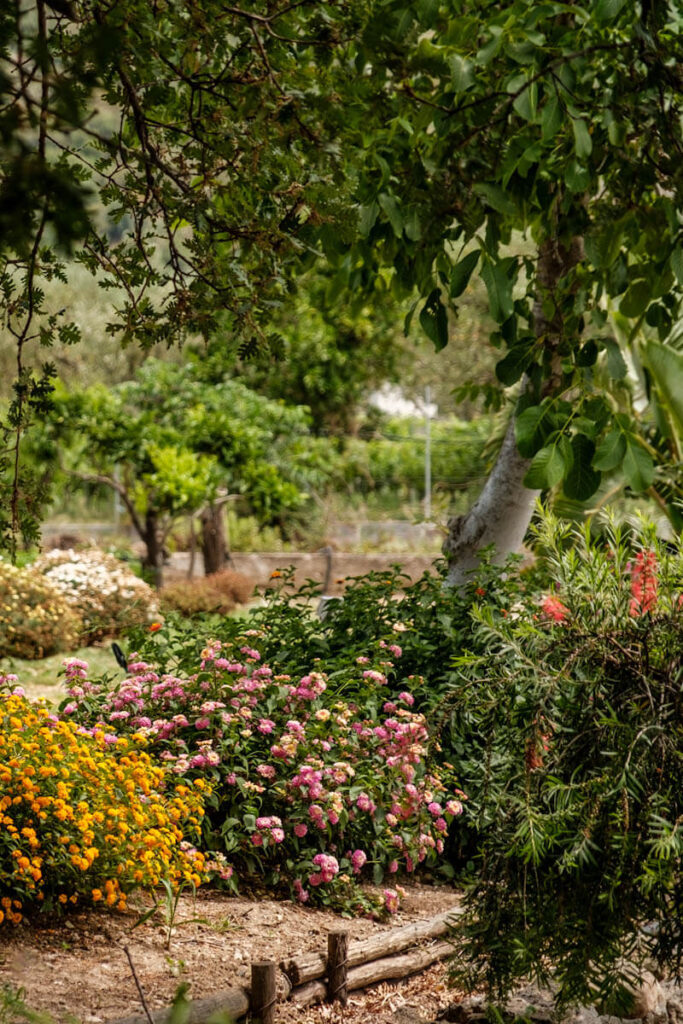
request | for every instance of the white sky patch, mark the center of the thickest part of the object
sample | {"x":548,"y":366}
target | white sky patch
{"x":391,"y":400}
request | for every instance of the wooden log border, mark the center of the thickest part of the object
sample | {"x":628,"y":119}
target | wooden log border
{"x":367,"y":962}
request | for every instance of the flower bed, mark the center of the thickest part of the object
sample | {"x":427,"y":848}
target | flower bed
{"x":86,"y":816}
{"x":314,"y":792}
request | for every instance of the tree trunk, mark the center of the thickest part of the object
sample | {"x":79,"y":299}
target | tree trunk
{"x":153,"y":561}
{"x":501,"y":514}
{"x":213,"y":541}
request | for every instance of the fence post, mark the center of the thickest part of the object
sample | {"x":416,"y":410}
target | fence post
{"x":263,"y":991}
{"x":337,"y":958}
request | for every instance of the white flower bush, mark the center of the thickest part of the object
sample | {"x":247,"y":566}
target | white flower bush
{"x":108,"y":596}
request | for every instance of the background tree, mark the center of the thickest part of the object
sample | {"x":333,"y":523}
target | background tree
{"x":171,"y":447}
{"x":219,"y":144}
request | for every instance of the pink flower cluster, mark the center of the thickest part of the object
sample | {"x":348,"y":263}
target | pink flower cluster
{"x":300,"y":774}
{"x":328,"y":867}
{"x":269,"y":830}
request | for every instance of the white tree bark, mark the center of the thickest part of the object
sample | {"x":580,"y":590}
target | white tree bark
{"x":502,"y":512}
{"x":500,"y":516}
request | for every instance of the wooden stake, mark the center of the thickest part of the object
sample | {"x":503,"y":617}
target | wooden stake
{"x":337,"y":967}
{"x":308,"y":966}
{"x":263,"y":991}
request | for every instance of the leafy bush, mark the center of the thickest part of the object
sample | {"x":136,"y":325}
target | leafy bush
{"x":431,"y":622}
{"x":86,"y":815}
{"x":218,"y":593}
{"x":109,"y":597}
{"x":35,"y":619}
{"x":311,"y":793}
{"x":569,"y":731}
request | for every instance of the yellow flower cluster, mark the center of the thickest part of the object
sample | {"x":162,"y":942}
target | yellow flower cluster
{"x":86,"y":816}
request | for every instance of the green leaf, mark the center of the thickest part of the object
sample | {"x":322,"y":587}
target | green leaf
{"x":461,"y":273}
{"x":390,"y":207}
{"x":610,"y":452}
{"x":676,"y":260}
{"x":409,"y":317}
{"x":180,"y":1009}
{"x":583,"y":144}
{"x":525,"y":103}
{"x":552,"y":117}
{"x":512,"y":366}
{"x":367,"y":217}
{"x":638,"y":466}
{"x":496,"y":197}
{"x":462,"y":74}
{"x":616,"y":364}
{"x":434,"y":320}
{"x":637,"y":299}
{"x":607,"y":10}
{"x":499,"y":288}
{"x":412,"y":225}
{"x":547,"y":469}
{"x":587,"y":354}
{"x":582,"y":480}
{"x":489,"y":51}
{"x":576,"y":177}
{"x":666,"y":366}
{"x":532,"y":427}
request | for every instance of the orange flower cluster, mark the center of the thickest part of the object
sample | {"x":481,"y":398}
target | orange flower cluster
{"x":86,"y":815}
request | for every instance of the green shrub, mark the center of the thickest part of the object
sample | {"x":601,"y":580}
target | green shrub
{"x":35,"y":619}
{"x":431,"y":622}
{"x":108,"y":596}
{"x":395,"y":461}
{"x":217,"y":594}
{"x":569,"y":729}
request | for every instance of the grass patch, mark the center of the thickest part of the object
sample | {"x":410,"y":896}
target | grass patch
{"x":42,"y":678}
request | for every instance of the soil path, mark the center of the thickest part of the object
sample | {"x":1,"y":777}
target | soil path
{"x":78,"y":968}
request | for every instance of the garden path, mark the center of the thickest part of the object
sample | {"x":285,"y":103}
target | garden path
{"x":78,"y":966}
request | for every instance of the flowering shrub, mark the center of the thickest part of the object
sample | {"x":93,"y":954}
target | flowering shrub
{"x":217,"y":593}
{"x":86,"y":816}
{"x":35,"y":620}
{"x":108,"y":596}
{"x":314,"y":794}
{"x":430,"y":621}
{"x":571,"y":732}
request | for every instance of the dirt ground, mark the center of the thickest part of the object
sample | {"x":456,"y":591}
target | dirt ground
{"x":78,"y":967}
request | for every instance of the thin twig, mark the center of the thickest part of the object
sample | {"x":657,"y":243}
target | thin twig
{"x":145,"y":1007}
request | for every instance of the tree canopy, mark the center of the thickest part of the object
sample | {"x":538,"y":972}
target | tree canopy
{"x":172,"y":148}
{"x":200,"y":155}
{"x":563,"y":123}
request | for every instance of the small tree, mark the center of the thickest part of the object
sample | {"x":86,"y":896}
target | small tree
{"x":169,"y":445}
